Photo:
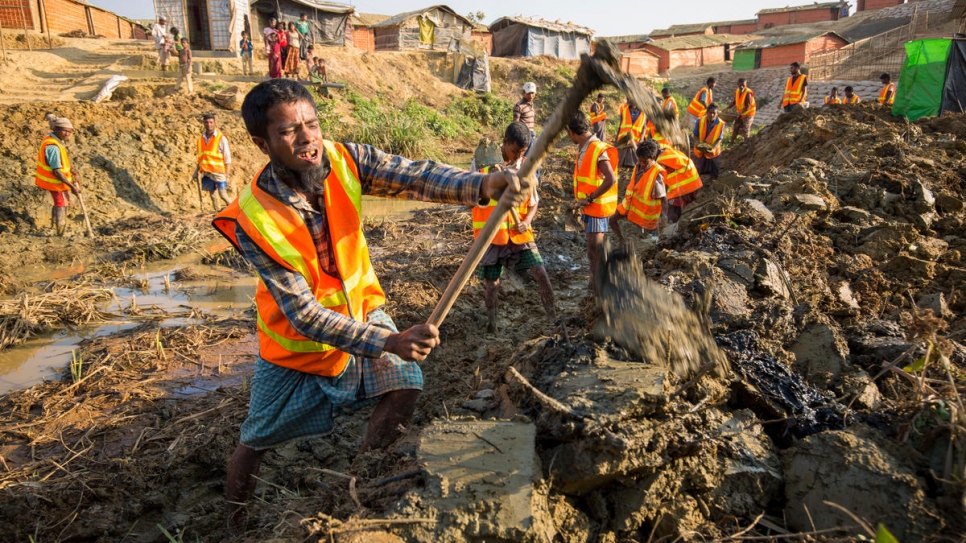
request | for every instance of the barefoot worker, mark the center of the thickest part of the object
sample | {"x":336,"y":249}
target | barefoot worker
{"x":513,"y":245}
{"x":214,"y":161}
{"x":54,"y":173}
{"x":325,"y":345}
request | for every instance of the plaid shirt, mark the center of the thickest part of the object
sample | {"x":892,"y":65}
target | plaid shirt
{"x":381,"y":174}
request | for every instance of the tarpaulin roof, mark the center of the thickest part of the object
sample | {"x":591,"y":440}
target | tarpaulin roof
{"x":699,"y":41}
{"x":806,"y":7}
{"x":624,"y":39}
{"x":330,"y":7}
{"x":554,"y":26}
{"x":790,"y":39}
{"x":733,"y":23}
{"x":682,"y":29}
{"x":368,"y":19}
{"x":403,"y":17}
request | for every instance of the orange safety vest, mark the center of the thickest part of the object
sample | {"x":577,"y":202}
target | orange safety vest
{"x":697,"y":107}
{"x":709,"y":134}
{"x":636,"y":128}
{"x":682,"y":175}
{"x":587,"y":179}
{"x":795,"y":90}
{"x":745,"y":103}
{"x":854,"y":100}
{"x":833,"y":100}
{"x":885,"y":90}
{"x":507,"y":231}
{"x":44,"y":177}
{"x":599,"y":116}
{"x":279,"y":230}
{"x":670,"y":105}
{"x":650,"y":131}
{"x":210,"y":158}
{"x":638,"y":205}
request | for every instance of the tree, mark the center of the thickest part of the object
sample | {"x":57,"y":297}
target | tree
{"x":476,"y":17}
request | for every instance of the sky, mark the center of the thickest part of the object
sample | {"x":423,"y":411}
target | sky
{"x":612,"y":18}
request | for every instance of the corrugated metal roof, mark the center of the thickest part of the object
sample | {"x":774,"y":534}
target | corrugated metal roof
{"x":697,"y":42}
{"x":368,"y":19}
{"x":403,"y":17}
{"x":789,"y":39}
{"x":626,"y":39}
{"x":555,"y":26}
{"x":806,"y":7}
{"x":681,"y":29}
{"x":733,"y":23}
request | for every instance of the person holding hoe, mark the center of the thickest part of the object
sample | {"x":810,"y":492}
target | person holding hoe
{"x":54,"y":173}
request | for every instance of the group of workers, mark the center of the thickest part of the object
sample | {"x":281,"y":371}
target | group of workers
{"x":325,"y":343}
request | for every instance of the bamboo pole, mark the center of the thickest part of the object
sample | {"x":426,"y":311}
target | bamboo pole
{"x":23,"y":17}
{"x":43,"y":9}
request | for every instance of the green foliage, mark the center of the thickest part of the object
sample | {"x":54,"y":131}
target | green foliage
{"x":328,"y":119}
{"x":76,"y":366}
{"x":476,"y":16}
{"x":566,"y":71}
{"x":484,"y":109}
{"x":408,"y":132}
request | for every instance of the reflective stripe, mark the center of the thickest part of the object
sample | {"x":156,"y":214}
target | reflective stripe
{"x":605,"y":199}
{"x":697,"y":107}
{"x":210,"y":158}
{"x":882,"y":94}
{"x":636,"y":128}
{"x":294,"y":345}
{"x":794,"y":91}
{"x":269,"y":229}
{"x":44,"y":175}
{"x":350,"y":182}
{"x":745,"y":102}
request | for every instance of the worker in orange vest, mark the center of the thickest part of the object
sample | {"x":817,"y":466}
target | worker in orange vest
{"x":681,"y":179}
{"x":214,"y":161}
{"x":54,"y":174}
{"x":833,"y":97}
{"x":708,"y":134}
{"x":668,"y":104}
{"x":796,"y":89}
{"x":598,"y":117}
{"x":701,"y":101}
{"x":850,"y":96}
{"x":595,"y":186}
{"x":514,"y":244}
{"x":887,"y":96}
{"x":746,"y":107}
{"x":325,"y":344}
{"x":630,"y":132}
{"x":646,"y":196}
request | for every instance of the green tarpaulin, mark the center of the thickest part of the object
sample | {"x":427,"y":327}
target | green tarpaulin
{"x":922,"y":78}
{"x":744,"y":60}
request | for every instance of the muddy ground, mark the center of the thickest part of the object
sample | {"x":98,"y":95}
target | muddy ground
{"x":829,"y":269}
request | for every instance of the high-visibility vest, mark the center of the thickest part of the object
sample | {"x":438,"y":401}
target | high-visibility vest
{"x":795,"y":90}
{"x":670,"y":105}
{"x":599,"y":116}
{"x":635,"y":128}
{"x":210,"y":158}
{"x":835,"y":100}
{"x":587,"y":178}
{"x":745,"y":103}
{"x":682,"y":175}
{"x":885,"y":90}
{"x":638,"y":205}
{"x":854,"y":100}
{"x":44,"y":177}
{"x":697,"y":107}
{"x":650,"y":131}
{"x":709,"y":134}
{"x":279,"y":230}
{"x":507,"y":231}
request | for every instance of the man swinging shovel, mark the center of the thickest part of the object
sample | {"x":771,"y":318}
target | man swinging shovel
{"x":55,"y":175}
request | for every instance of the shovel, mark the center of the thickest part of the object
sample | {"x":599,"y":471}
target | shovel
{"x":87,"y":222}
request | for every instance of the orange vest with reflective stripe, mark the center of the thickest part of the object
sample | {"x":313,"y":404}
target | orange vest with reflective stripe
{"x":210,"y":158}
{"x":44,"y":177}
{"x":795,"y":90}
{"x":670,"y":105}
{"x":507,"y":231}
{"x":279,"y":230}
{"x":651,"y":132}
{"x":885,"y":90}
{"x":745,"y":103}
{"x":638,"y":205}
{"x":854,"y":100}
{"x":835,"y":100}
{"x":599,"y":116}
{"x":587,"y":178}
{"x":682,"y":175}
{"x":697,"y":107}
{"x":709,"y":134}
{"x":635,"y":128}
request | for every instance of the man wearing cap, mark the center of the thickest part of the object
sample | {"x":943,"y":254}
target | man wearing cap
{"x":54,"y":173}
{"x":214,"y":162}
{"x":523,"y":110}
{"x":158,"y":32}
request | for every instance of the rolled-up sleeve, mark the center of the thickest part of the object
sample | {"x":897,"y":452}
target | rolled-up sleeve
{"x":306,"y":315}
